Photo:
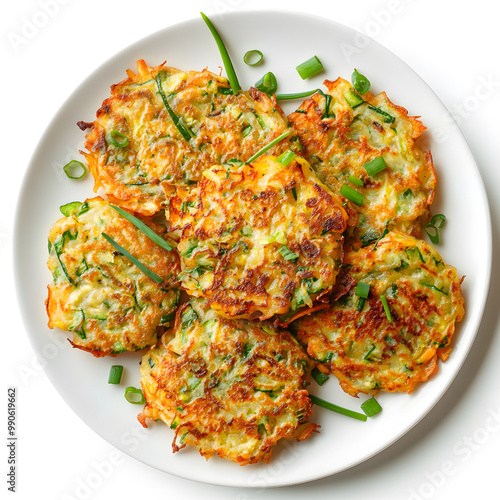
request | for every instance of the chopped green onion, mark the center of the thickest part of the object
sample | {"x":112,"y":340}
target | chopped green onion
{"x":131,"y":395}
{"x":247,"y":130}
{"x":228,"y":65}
{"x":337,"y":409}
{"x":386,"y":308}
{"x":296,"y":95}
{"x":187,"y":134}
{"x":112,"y":139}
{"x":285,"y":158}
{"x":356,"y":181}
{"x":436,"y":223}
{"x":166,"y":318}
{"x":433,"y":287}
{"x":353,"y":99}
{"x":375,"y":166}
{"x":253,"y":57}
{"x":319,"y":376}
{"x":360,"y":304}
{"x":69,"y":208}
{"x":362,"y":289}
{"x":371,"y":407}
{"x":145,"y":229}
{"x":387,"y":117}
{"x":352,"y":195}
{"x":115,"y":374}
{"x":287,"y":254}
{"x":268,"y":147}
{"x":368,"y":354}
{"x":309,"y":68}
{"x":72,"y":168}
{"x":360,"y":83}
{"x":134,"y":261}
{"x":267,"y":84}
{"x":328,"y":99}
{"x":384,"y":233}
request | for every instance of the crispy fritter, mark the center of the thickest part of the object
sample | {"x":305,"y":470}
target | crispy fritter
{"x":99,"y":295}
{"x":353,"y":131}
{"x":229,"y":387}
{"x":259,"y":239}
{"x":358,"y":342}
{"x":138,"y":154}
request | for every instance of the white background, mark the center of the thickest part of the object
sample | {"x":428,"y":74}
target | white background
{"x":452,"y":45}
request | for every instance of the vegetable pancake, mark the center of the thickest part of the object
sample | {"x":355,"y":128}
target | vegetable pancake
{"x":162,"y":127}
{"x":98,"y":294}
{"x":388,"y":332}
{"x":229,"y":387}
{"x":259,"y":239}
{"x":367,"y":144}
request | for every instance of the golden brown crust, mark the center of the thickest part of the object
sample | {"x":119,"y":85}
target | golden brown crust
{"x":152,"y":156}
{"x":259,"y":240}
{"x":233,"y":388}
{"x":339,"y":143}
{"x":365,"y":349}
{"x":99,"y":295}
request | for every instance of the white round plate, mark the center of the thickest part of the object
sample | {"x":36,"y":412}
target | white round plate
{"x":286,"y":39}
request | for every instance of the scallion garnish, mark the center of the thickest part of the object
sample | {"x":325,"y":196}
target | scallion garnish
{"x":287,"y":254}
{"x":268,"y":147}
{"x":337,"y":409}
{"x":285,"y":158}
{"x":129,"y":256}
{"x":360,"y":83}
{"x":386,"y":116}
{"x":319,"y":376}
{"x":69,"y":208}
{"x":435,"y":224}
{"x":186,"y":133}
{"x":352,"y":195}
{"x":113,"y":139}
{"x":384,"y":234}
{"x":353,"y":99}
{"x":72,"y":168}
{"x":228,"y":65}
{"x":433,"y":287}
{"x":362,"y":289}
{"x":296,"y":95}
{"x":267,"y":84}
{"x":386,"y":308}
{"x":371,"y":407}
{"x":144,"y":228}
{"x":356,"y":180}
{"x":253,"y":57}
{"x":115,"y":374}
{"x":134,"y":396}
{"x":309,"y":68}
{"x":375,"y":166}
{"x":328,"y":99}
